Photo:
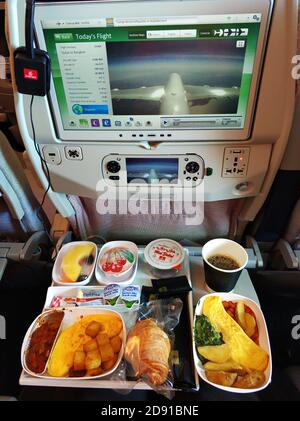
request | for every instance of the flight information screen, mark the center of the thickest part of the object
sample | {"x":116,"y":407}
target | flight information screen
{"x":153,"y":73}
{"x":152,"y":171}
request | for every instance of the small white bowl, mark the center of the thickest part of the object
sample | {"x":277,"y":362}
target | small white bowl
{"x":57,"y":265}
{"x":73,"y":315}
{"x":264,"y":341}
{"x":124,"y":278}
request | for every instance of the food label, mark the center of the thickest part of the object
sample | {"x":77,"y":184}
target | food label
{"x":92,"y":293}
{"x":165,"y":254}
{"x":131,"y":296}
{"x":111,"y":293}
{"x":58,"y":301}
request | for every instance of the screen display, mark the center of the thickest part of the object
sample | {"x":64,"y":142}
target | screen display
{"x":152,"y":171}
{"x":191,"y":72}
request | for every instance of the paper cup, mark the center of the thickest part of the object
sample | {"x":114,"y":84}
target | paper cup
{"x":221,"y":280}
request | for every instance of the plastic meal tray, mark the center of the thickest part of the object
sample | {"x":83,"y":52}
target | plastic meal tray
{"x":143,"y":277}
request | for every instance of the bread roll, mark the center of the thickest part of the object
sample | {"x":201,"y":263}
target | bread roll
{"x":148,"y":350}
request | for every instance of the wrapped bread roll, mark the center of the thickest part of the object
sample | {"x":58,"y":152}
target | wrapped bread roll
{"x":147,"y":350}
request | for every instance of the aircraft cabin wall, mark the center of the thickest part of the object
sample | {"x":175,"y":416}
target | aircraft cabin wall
{"x":77,"y":165}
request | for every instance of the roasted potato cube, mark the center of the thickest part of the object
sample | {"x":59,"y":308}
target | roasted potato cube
{"x":116,"y":343}
{"x":92,"y":360}
{"x":108,"y":365}
{"x":115,"y":327}
{"x":107,"y":352}
{"x":79,"y":361}
{"x":250,"y":381}
{"x":95,"y":372}
{"x":102,"y":339}
{"x":93,"y":328}
{"x":91,"y":345}
{"x":221,"y":377}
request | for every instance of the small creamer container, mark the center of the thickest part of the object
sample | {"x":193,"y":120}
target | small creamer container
{"x":165,"y":257}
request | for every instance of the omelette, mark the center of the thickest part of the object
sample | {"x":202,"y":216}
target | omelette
{"x":74,"y":337}
{"x":242,"y":349}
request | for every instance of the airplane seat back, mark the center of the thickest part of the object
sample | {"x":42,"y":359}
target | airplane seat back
{"x":18,"y":205}
{"x":231,"y":202}
{"x":219,"y":220}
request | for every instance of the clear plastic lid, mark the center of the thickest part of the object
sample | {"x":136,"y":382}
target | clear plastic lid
{"x":164,"y":254}
{"x":117,"y":260}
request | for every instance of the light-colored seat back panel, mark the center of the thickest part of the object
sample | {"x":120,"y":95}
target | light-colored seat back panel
{"x":13,"y":172}
{"x":219,"y":221}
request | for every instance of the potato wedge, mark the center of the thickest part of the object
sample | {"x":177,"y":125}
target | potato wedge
{"x":229,"y":367}
{"x":216,"y":354}
{"x":240,"y":314}
{"x":250,"y":325}
{"x":250,"y":381}
{"x":221,"y":377}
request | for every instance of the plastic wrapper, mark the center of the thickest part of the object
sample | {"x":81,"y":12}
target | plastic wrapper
{"x":121,"y":298}
{"x":58,"y":301}
{"x":149,"y":348}
{"x":183,"y":366}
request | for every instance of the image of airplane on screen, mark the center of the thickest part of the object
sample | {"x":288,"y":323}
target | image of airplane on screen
{"x":175,"y":78}
{"x":176,"y":98}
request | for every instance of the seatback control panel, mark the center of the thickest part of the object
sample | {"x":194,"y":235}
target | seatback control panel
{"x":161,"y":170}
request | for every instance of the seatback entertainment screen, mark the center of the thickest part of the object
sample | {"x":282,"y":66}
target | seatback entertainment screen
{"x":191,"y":72}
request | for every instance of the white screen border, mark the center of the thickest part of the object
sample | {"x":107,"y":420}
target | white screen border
{"x":123,"y":8}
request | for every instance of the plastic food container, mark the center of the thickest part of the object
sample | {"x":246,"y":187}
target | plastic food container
{"x":71,"y":316}
{"x":165,"y":257}
{"x":117,"y":263}
{"x":75,"y":260}
{"x":37,"y":323}
{"x":264,"y":341}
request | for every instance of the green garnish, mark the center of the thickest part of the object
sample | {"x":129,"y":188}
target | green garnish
{"x":206,"y":334}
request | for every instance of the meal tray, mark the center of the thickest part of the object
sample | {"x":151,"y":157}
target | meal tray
{"x":143,"y":277}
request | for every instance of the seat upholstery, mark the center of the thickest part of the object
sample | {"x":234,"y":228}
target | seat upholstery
{"x":12,"y":172}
